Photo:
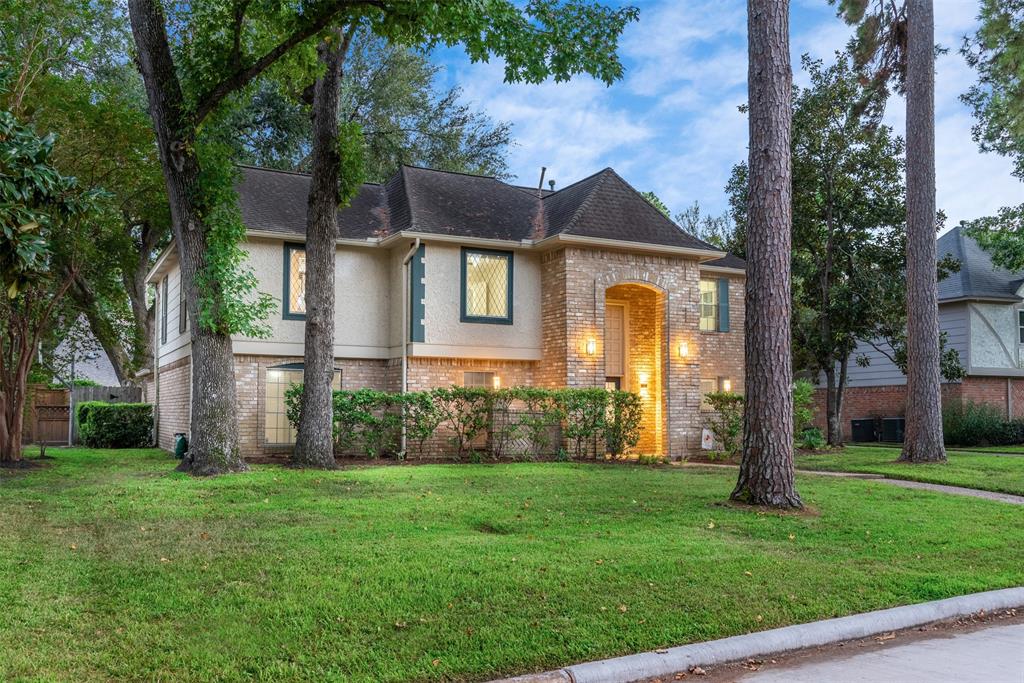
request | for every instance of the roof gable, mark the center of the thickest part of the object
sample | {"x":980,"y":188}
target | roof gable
{"x":978,"y":277}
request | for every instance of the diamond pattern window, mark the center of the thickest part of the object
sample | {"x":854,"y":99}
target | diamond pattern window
{"x":708,"y":306}
{"x":294,"y":281}
{"x":486,"y":286}
{"x":277,"y":430}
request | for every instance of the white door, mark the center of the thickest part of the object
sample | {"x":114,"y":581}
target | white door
{"x":614,"y":340}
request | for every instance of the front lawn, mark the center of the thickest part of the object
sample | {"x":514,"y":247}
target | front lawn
{"x":973,"y":470}
{"x":112,"y":567}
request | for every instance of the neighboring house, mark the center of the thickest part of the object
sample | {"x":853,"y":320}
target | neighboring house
{"x":446,"y":278}
{"x":981,"y":310}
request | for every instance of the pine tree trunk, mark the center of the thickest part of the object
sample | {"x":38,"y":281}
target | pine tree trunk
{"x":213,"y":446}
{"x":766,"y":470}
{"x":314,"y":445}
{"x":923,"y":436}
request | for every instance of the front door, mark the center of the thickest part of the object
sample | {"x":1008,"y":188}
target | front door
{"x":615,"y":343}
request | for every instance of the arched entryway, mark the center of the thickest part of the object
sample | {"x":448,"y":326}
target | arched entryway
{"x":634,"y":348}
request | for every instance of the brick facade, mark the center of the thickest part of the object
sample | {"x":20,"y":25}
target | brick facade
{"x":891,"y":400}
{"x":661,"y":294}
{"x":174,"y":406}
{"x":576,"y":283}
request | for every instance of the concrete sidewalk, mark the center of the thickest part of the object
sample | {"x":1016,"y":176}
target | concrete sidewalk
{"x":994,"y":654}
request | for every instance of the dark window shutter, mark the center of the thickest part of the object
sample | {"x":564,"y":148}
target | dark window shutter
{"x":723,"y":304}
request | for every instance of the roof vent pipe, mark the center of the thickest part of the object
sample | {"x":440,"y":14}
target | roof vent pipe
{"x":551,"y":184}
{"x":540,"y":185}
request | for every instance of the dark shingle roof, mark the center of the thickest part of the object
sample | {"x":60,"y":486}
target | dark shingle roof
{"x":438,"y":202}
{"x":978,"y":277}
{"x":729,"y":261}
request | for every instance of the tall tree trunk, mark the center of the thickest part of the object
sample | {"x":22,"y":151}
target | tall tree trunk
{"x":834,"y":389}
{"x":314,"y":445}
{"x":766,"y":470}
{"x":923,"y":436}
{"x":102,"y":329}
{"x":213,"y":447}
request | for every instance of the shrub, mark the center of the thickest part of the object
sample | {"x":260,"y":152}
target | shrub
{"x":540,"y":414}
{"x":803,"y":410}
{"x":371,"y":421}
{"x":467,"y":413}
{"x":422,"y":418}
{"x":810,"y":439}
{"x":115,"y":425}
{"x":979,"y":424}
{"x":726,"y":423}
{"x":622,"y":424}
{"x":584,"y":411}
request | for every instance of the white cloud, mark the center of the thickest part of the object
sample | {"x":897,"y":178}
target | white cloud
{"x":672,"y":126}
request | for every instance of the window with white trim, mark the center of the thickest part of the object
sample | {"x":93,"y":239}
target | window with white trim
{"x":277,"y":430}
{"x":708,"y":305}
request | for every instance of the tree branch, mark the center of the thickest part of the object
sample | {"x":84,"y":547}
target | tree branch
{"x":243,"y":76}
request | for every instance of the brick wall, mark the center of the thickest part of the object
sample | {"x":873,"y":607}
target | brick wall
{"x":891,"y":400}
{"x":573,"y":317}
{"x":721,"y":353}
{"x":250,"y":385}
{"x":174,"y":409}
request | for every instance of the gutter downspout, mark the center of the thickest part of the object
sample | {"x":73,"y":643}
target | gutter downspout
{"x":156,"y":373}
{"x":405,"y":327}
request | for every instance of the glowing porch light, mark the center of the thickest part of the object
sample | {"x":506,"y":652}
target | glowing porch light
{"x":684,"y":349}
{"x":591,"y":347}
{"x":496,"y":382}
{"x":727,"y":384}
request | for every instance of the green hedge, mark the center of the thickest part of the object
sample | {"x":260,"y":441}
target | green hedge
{"x":980,"y":424}
{"x":115,"y":425}
{"x":593,"y":421}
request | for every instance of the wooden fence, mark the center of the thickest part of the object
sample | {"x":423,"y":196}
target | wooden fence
{"x":105,"y":394}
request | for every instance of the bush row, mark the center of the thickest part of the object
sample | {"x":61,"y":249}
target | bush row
{"x":979,"y":424}
{"x":115,"y":425}
{"x":726,"y":420}
{"x":518,"y":422}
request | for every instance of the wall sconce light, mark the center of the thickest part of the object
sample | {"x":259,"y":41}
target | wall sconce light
{"x":726,"y":384}
{"x":684,"y":349}
{"x":591,"y":347}
{"x":644,"y":379}
{"x":496,"y":382}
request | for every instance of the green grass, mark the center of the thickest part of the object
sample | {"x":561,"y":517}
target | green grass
{"x":992,"y":449}
{"x":973,"y":470}
{"x":112,"y":567}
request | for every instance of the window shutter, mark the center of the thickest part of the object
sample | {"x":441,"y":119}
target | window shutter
{"x":723,"y":304}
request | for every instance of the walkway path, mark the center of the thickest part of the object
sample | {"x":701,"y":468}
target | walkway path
{"x":990,"y":655}
{"x":941,"y":488}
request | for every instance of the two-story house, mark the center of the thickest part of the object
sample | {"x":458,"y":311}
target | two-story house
{"x":981,"y":310}
{"x":446,"y":278}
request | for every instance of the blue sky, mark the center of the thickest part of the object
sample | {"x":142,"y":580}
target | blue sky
{"x":672,"y":125}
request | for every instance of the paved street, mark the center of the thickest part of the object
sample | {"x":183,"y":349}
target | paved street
{"x":989,"y":655}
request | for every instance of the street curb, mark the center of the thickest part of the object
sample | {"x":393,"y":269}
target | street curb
{"x":815,"y":634}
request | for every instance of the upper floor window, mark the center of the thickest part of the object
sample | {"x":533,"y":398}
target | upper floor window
{"x":294,"y":282}
{"x":182,"y":308}
{"x":708,"y":305}
{"x":486,"y":286}
{"x":1020,"y":325}
{"x":714,"y":305}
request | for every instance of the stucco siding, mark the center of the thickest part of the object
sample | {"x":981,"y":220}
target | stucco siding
{"x":361,"y":306}
{"x":994,"y":341}
{"x":443,"y":306}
